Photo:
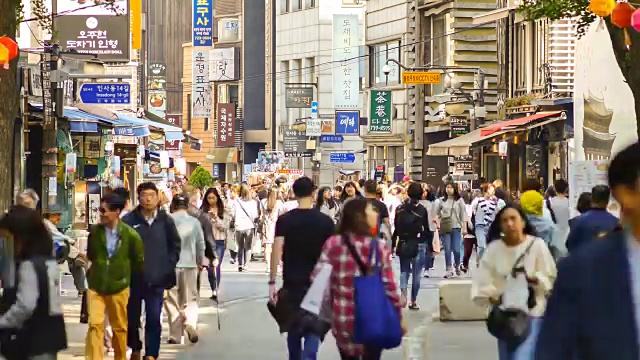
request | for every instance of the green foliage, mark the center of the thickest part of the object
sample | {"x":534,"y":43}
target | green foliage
{"x":200,"y":178}
{"x":522,"y":100}
{"x":558,"y":9}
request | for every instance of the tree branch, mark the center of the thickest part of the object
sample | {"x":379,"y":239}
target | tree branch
{"x":619,"y":48}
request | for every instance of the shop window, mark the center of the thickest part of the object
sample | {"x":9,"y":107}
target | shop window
{"x":379,"y":54}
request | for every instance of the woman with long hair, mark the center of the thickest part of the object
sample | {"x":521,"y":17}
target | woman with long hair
{"x":452,"y":218}
{"x":516,"y":261}
{"x":349,"y":192}
{"x":429,"y":202}
{"x":32,"y":321}
{"x":245,"y":216}
{"x":358,"y":218}
{"x":213,"y":206}
{"x":326,"y":204}
{"x":273,"y":208}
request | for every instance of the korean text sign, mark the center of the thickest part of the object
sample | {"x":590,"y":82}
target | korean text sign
{"x":226,"y":120}
{"x":348,"y":122}
{"x":202,"y":23}
{"x":201,"y":88}
{"x":346,"y":51}
{"x":380,"y":111}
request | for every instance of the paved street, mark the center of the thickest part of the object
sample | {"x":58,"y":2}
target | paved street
{"x":248,"y":331}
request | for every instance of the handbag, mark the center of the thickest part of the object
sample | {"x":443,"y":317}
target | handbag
{"x":511,"y":325}
{"x":377,"y":322}
{"x":407,"y":249}
{"x":446,"y":223}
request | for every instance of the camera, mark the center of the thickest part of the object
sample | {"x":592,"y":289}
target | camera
{"x":386,"y":70}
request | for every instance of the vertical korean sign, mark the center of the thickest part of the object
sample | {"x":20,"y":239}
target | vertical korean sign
{"x":380,"y":111}
{"x":200,"y":86}
{"x":226,"y":120}
{"x":346,"y":51}
{"x":202,"y":23}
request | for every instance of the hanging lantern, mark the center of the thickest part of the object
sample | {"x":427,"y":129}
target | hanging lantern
{"x":602,"y":8}
{"x":621,"y":14}
{"x":8,"y":51}
{"x":635,"y":20}
{"x":4,"y":56}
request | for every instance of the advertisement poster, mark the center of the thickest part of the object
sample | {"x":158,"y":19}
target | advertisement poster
{"x":202,"y":23}
{"x":583,"y":176}
{"x":94,"y":27}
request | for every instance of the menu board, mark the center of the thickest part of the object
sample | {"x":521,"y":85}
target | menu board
{"x":583,"y":176}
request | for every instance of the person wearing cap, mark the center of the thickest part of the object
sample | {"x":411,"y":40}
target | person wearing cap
{"x":182,"y":300}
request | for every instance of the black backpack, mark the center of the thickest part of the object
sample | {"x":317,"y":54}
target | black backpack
{"x":408,"y":222}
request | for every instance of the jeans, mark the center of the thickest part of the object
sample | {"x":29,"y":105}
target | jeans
{"x":244,"y":238}
{"x":214,"y":278}
{"x":526,"y":349}
{"x":153,"y":299}
{"x":414,"y":267}
{"x":481,"y":239}
{"x":300,"y":351}
{"x":452,"y":242}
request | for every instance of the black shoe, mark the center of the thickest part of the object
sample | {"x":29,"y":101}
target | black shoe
{"x":214,"y":297}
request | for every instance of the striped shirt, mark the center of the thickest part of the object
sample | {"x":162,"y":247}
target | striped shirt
{"x":488,"y":209}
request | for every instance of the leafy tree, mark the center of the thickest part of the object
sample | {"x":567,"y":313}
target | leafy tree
{"x":627,"y":58}
{"x":201,"y":178}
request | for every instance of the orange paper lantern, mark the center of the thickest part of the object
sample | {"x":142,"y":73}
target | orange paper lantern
{"x":11,"y":46}
{"x":621,"y":14}
{"x":4,"y":55}
{"x":602,"y":8}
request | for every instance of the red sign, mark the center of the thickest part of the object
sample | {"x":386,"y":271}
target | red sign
{"x":226,"y":122}
{"x":174,"y":119}
{"x":172,"y":145}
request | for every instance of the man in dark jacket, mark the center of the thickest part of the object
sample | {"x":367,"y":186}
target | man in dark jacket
{"x":162,"y":246}
{"x":594,"y":223}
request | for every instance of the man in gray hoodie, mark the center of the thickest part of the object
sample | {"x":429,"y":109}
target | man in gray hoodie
{"x":182,"y":300}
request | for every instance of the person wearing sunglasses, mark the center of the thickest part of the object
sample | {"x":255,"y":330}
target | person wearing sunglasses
{"x":114,"y":250}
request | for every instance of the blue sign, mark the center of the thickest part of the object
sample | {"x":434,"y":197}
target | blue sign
{"x":342,"y":157}
{"x":216,"y":170}
{"x":123,"y":131}
{"x":334,"y":139}
{"x":202,"y":22}
{"x":105,"y":93}
{"x":347,"y":122}
{"x":314,"y":107}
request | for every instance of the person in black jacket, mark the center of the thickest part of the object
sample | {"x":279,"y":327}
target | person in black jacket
{"x":162,"y":247}
{"x":412,"y":229}
{"x":32,"y":321}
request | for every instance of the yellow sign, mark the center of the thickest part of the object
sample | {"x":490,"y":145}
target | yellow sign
{"x":420,"y":77}
{"x":136,"y":24}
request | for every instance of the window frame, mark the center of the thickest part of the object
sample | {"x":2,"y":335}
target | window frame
{"x":375,"y":69}
{"x":309,"y":4}
{"x":284,"y":9}
{"x":440,"y":39}
{"x":296,"y":5}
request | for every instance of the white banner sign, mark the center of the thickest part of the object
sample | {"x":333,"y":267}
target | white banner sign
{"x":223,"y":65}
{"x":346,"y":50}
{"x":314,"y":127}
{"x":201,"y":88}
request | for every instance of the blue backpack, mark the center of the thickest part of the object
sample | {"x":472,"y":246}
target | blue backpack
{"x":377,"y":321}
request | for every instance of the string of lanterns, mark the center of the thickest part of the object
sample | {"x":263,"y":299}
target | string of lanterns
{"x":8,"y":51}
{"x":623,"y":15}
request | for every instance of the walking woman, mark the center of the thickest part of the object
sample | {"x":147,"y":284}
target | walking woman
{"x":327,"y":205}
{"x":430,"y":203}
{"x":349,"y":192}
{"x":273,"y":208}
{"x":213,"y":206}
{"x":515,"y":261}
{"x":358,"y":218}
{"x":452,"y":217}
{"x":32,"y":325}
{"x":245,"y":215}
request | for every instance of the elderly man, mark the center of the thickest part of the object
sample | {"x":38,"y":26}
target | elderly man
{"x":28,"y":198}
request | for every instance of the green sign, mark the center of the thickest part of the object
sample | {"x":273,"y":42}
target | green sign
{"x":380,"y":111}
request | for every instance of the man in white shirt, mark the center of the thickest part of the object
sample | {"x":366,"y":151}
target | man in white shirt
{"x":559,"y":210}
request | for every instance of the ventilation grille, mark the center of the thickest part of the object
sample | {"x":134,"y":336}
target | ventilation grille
{"x":239,"y":128}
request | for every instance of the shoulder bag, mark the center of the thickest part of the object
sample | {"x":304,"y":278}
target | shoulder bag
{"x":446,"y":222}
{"x":511,"y":325}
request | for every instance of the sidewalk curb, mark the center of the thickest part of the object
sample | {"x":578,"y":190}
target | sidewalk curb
{"x":416,"y":345}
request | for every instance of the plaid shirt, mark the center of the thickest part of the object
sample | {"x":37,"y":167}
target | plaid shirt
{"x":345,"y":269}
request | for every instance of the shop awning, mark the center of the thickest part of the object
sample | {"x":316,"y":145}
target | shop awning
{"x":79,"y":121}
{"x":222,"y":156}
{"x":170,"y":132}
{"x":460,"y":145}
{"x":509,"y":124}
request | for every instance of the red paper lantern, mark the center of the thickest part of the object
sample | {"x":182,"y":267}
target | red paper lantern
{"x":635,"y":20}
{"x":621,"y":14}
{"x":11,"y":46}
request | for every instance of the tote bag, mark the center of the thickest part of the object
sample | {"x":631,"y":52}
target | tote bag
{"x":377,"y":322}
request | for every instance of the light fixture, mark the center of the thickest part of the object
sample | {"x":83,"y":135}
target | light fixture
{"x":94,"y":67}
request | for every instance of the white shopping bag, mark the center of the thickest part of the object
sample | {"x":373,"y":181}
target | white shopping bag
{"x":516,"y":293}
{"x":312,"y":301}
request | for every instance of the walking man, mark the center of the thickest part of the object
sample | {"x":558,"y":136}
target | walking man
{"x":182,"y":302}
{"x":161,"y":252}
{"x":115,"y":251}
{"x":299,"y":237}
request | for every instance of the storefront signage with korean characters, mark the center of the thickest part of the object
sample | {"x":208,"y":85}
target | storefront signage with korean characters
{"x":202,"y":23}
{"x":380,"y":111}
{"x":459,"y":125}
{"x":299,"y":97}
{"x":226,"y":122}
{"x":348,"y":122}
{"x":225,"y":64}
{"x":201,"y":88}
{"x":463,"y":163}
{"x":101,"y":30}
{"x":346,"y":53}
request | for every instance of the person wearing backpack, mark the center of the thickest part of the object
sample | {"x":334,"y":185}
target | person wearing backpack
{"x":412,"y":232}
{"x":452,"y":216}
{"x":348,"y":254}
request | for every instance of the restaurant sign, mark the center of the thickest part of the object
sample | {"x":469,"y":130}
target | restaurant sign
{"x":298,"y":97}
